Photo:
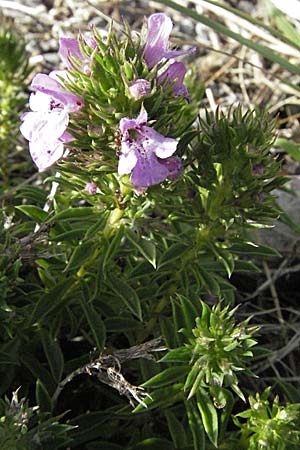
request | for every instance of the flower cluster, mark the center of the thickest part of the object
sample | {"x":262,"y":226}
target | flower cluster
{"x":143,"y":152}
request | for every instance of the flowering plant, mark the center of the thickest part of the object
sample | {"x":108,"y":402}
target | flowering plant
{"x":130,"y":254}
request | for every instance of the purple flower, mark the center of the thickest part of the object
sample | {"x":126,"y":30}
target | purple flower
{"x":139,"y":88}
{"x":156,"y":48}
{"x":175,"y":73}
{"x":145,"y":153}
{"x":45,"y":125}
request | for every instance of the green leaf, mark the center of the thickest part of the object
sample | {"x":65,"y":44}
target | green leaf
{"x":80,"y":213}
{"x":251,"y":249}
{"x":225,"y":258}
{"x":82,"y":253}
{"x":163,"y":397}
{"x":94,"y":320}
{"x":128,"y":295}
{"x":189,"y":312}
{"x":177,"y":355}
{"x":176,"y":430}
{"x":174,"y":252}
{"x":38,"y":370}
{"x":43,"y":398}
{"x":145,"y":246}
{"x":32,"y":193}
{"x":226,"y":412}
{"x":89,"y":426}
{"x":289,"y":146}
{"x":53,"y":354}
{"x":111,"y":248}
{"x":209,"y":281}
{"x":34,"y":212}
{"x":209,"y":415}
{"x":195,"y":425}
{"x":70,"y":235}
{"x":50,"y":301}
{"x":167,"y":376}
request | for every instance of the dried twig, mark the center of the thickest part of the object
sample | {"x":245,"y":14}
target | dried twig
{"x":107,"y":368}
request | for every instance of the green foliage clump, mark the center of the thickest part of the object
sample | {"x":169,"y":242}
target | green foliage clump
{"x":269,"y":424}
{"x":22,"y":428}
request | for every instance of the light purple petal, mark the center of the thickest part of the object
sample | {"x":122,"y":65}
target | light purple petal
{"x":142,"y":117}
{"x":38,"y":101}
{"x":46,"y":84}
{"x":66,"y":137}
{"x":148,"y":171}
{"x":159,"y":30}
{"x":127,"y":124}
{"x":69,"y":47}
{"x":174,"y":166}
{"x":133,"y":124}
{"x":127,"y":159}
{"x":176,"y":71}
{"x":43,"y":126}
{"x":45,"y":154}
{"x":161,"y":146}
{"x":174,"y":53}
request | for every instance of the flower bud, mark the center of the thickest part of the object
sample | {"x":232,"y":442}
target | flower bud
{"x":139,"y":88}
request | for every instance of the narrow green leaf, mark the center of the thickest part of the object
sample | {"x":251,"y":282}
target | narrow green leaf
{"x":95,"y":322}
{"x":34,"y":212}
{"x":82,"y":212}
{"x":70,"y":235}
{"x":189,"y":312}
{"x":38,"y":370}
{"x":174,"y":252}
{"x":177,"y":355}
{"x":111,"y":248}
{"x":167,"y":376}
{"x":163,"y":397}
{"x":42,"y":396}
{"x":209,"y":282}
{"x":82,"y":253}
{"x":252,"y":249}
{"x":53,"y":354}
{"x":226,"y":412}
{"x":128,"y":295}
{"x":146,"y":247}
{"x":50,"y":301}
{"x":225,"y":258}
{"x":209,"y":415}
{"x":176,"y":430}
{"x":195,"y":425}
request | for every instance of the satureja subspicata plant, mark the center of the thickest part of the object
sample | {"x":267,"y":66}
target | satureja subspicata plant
{"x":154,"y":200}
